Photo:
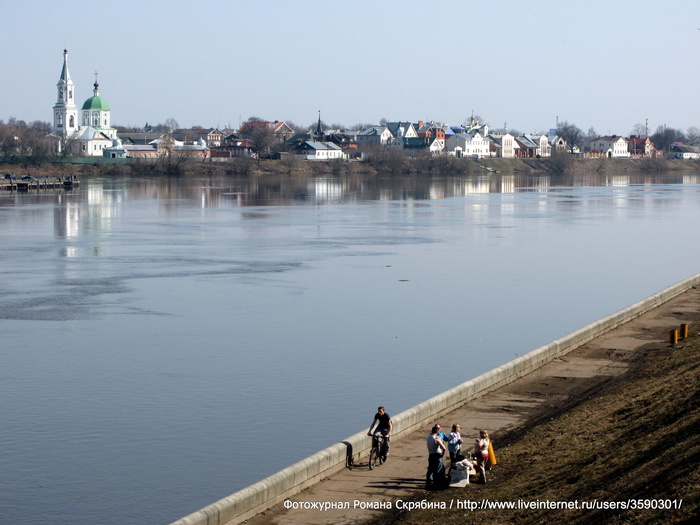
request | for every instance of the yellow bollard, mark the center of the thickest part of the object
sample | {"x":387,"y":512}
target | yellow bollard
{"x":684,"y":331}
{"x":674,"y":337}
{"x":492,"y":456}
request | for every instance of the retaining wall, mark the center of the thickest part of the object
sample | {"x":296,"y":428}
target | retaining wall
{"x":260,"y":496}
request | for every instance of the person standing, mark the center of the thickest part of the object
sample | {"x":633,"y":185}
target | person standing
{"x":454,"y":442}
{"x":384,"y":427}
{"x":436,"y":468}
{"x":481,"y":449}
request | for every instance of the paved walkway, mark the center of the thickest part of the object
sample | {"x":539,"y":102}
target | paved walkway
{"x":538,"y":396}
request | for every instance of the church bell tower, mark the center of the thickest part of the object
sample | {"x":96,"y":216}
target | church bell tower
{"x":65,"y":112}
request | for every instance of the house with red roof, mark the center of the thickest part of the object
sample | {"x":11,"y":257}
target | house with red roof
{"x":641,"y":147}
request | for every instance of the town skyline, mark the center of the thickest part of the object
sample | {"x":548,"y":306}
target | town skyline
{"x":360,"y":63}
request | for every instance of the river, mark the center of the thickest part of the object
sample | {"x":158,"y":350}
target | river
{"x":167,"y":342}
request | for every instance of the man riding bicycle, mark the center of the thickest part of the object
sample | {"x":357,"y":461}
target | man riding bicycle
{"x":384,"y":427}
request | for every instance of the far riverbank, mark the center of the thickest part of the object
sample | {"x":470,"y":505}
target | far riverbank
{"x":381,"y":165}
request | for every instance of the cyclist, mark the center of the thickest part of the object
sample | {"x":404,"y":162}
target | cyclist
{"x":384,"y":427}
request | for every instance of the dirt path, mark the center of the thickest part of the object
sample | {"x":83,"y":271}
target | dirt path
{"x":505,"y":413}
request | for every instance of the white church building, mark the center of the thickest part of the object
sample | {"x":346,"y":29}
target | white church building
{"x":86,"y":132}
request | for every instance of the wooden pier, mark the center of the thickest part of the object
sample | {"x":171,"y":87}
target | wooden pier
{"x":44,"y":183}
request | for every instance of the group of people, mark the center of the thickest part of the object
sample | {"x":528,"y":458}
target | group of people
{"x":438,"y":443}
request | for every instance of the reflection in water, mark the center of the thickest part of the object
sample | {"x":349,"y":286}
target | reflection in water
{"x":99,"y":200}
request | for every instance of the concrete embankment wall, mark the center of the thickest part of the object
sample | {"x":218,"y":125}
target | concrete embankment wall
{"x":276,"y":488}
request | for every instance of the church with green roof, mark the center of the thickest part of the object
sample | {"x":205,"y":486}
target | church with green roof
{"x":86,"y":132}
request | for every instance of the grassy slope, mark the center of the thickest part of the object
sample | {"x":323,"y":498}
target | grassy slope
{"x":424,"y":167}
{"x":638,"y":440}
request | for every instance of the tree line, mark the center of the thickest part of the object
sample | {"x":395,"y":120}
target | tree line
{"x":20,"y":139}
{"x":662,"y":138}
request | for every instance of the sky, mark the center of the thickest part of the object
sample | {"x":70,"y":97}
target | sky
{"x":525,"y":65}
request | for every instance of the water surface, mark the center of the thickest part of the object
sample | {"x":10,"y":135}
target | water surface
{"x":167,"y":342}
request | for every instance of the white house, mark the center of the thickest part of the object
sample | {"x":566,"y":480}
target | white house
{"x":417,"y":146}
{"x":557,"y":144}
{"x":402,"y":129}
{"x":681,"y":151}
{"x":503,"y":146}
{"x":115,"y":151}
{"x":467,"y":145}
{"x":544,"y":149}
{"x":374,"y":135}
{"x":311,"y":150}
{"x":612,"y":146}
{"x":435,"y":145}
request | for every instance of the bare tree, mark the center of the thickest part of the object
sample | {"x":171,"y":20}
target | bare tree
{"x":296,"y":128}
{"x":693,"y":135}
{"x":174,"y":161}
{"x":571,"y":134}
{"x":591,"y":135}
{"x":291,"y":162}
{"x":171,"y":124}
{"x":664,"y":137}
{"x":19,"y":139}
{"x":560,"y":161}
{"x":391,"y":162}
{"x":475,"y":118}
{"x":35,"y":140}
{"x":6,"y":139}
{"x":69,"y":146}
{"x":263,"y":137}
{"x":639,"y":130}
{"x":314,"y":125}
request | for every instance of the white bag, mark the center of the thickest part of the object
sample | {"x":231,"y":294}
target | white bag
{"x":459,"y":478}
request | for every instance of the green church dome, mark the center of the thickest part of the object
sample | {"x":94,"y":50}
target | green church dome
{"x":96,"y":103}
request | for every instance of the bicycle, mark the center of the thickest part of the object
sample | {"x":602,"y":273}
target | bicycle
{"x":377,"y":453}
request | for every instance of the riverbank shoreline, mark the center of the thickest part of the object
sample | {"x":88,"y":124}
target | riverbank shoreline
{"x":384,"y":165}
